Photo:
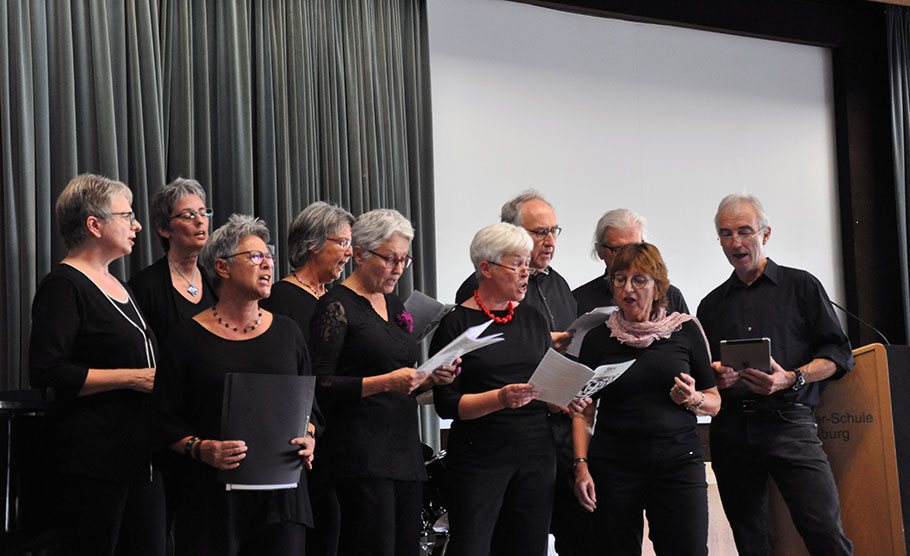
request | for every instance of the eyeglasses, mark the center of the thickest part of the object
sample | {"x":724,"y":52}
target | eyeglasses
{"x":525,"y":265}
{"x":192,"y":214}
{"x":256,"y":256}
{"x":342,"y":242}
{"x":129,"y":215}
{"x":392,"y":262}
{"x":609,"y":248}
{"x":542,"y":233}
{"x":743,"y":234}
{"x":639,"y":282}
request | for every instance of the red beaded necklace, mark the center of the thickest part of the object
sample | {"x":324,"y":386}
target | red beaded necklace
{"x":497,"y":320}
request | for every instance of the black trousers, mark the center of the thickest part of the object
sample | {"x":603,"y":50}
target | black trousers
{"x":499,"y":497}
{"x":379,"y":517}
{"x":782,"y":443}
{"x":98,"y":517}
{"x":673,"y":493}
{"x":571,"y":525}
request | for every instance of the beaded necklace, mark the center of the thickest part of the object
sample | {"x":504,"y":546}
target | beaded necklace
{"x":228,"y":325}
{"x":497,"y":320}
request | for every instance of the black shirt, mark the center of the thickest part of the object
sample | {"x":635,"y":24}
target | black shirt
{"x":527,"y":338}
{"x":189,"y":395}
{"x":292,"y":301}
{"x":76,"y":327}
{"x":598,"y":293}
{"x":161,"y":303}
{"x":548,"y":292}
{"x":636,"y":410}
{"x":789,"y":306}
{"x":366,"y":437}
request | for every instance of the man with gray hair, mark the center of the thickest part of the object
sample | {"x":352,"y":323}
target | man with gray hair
{"x":766,"y":425}
{"x":548,"y":291}
{"x":616,"y":228}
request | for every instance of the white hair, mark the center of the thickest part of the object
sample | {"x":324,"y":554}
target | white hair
{"x":731,"y":203}
{"x":618,"y":219}
{"x":372,"y":228}
{"x":496,"y":240}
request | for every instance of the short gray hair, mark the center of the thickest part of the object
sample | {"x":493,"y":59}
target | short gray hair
{"x":732,"y":201}
{"x":163,"y":200}
{"x":511,"y":211}
{"x":225,"y":239}
{"x":496,"y":240}
{"x":618,"y":219}
{"x":372,"y":228}
{"x":308,"y":232}
{"x":86,"y":195}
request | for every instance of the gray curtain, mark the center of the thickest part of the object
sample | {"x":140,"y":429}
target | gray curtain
{"x":899,"y":61}
{"x":270,"y":105}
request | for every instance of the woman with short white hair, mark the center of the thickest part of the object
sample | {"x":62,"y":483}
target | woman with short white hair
{"x":364,"y":356}
{"x":501,"y":459}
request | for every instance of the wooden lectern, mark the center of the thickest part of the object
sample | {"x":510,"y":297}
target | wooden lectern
{"x":864,"y":425}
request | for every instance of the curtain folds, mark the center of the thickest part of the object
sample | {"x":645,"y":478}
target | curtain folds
{"x":899,"y":62}
{"x":270,"y":105}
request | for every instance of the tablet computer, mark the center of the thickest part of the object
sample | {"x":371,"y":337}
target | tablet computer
{"x":752,"y":353}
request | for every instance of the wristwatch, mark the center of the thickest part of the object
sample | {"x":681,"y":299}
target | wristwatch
{"x":800,"y":380}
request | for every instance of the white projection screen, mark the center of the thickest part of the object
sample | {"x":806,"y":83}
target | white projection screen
{"x":600,"y":114}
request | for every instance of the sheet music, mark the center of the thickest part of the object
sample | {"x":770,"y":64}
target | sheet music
{"x":586,"y":322}
{"x":426,"y":312}
{"x":560,"y":380}
{"x":466,"y":342}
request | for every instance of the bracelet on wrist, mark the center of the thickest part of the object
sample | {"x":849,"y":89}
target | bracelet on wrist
{"x":196,"y":448}
{"x":579,"y":460}
{"x":188,"y":447}
{"x":311,"y":434}
{"x":693,"y":408}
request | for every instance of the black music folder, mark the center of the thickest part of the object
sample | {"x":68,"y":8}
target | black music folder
{"x":266,"y":411}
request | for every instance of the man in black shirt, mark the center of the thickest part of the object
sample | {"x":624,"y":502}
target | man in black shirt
{"x":548,"y":291}
{"x":614,"y":229}
{"x":766,"y":425}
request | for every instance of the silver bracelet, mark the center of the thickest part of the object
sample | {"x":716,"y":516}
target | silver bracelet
{"x":694,"y":408}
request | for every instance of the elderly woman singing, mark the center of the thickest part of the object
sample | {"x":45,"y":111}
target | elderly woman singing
{"x":92,"y":344}
{"x":364,"y":353}
{"x":237,"y":336}
{"x":645,"y":453}
{"x":501,"y":456}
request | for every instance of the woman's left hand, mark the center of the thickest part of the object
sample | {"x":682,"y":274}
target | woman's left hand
{"x":577,"y":406}
{"x":683,"y":392}
{"x":308,"y":447}
{"x":444,"y":374}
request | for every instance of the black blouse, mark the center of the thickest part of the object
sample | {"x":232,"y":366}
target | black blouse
{"x":527,"y":338}
{"x":373,"y":436}
{"x":161,"y":303}
{"x":189,"y":394}
{"x":77,"y":327}
{"x":292,"y":301}
{"x":637,"y":407}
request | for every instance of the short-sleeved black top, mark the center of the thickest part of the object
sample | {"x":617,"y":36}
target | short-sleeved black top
{"x":76,"y":327}
{"x":527,"y":338}
{"x":791,"y":307}
{"x":365,"y":437}
{"x":636,"y":409}
{"x":292,"y":301}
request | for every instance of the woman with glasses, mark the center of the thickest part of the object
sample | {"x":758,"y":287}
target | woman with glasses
{"x":319,"y":245}
{"x":91,"y":343}
{"x":364,"y":357}
{"x":233,"y":336}
{"x":645,"y":453}
{"x":174,"y":289}
{"x":501,"y":458}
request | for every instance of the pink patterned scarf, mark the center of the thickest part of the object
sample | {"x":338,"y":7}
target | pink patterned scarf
{"x":643,"y":334}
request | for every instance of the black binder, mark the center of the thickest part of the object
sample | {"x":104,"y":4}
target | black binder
{"x":266,"y":411}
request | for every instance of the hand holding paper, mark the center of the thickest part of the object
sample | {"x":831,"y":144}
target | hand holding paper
{"x":561,"y":380}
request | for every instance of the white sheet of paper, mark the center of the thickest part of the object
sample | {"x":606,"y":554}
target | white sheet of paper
{"x":426,"y":312}
{"x":466,"y":342}
{"x":586,"y":322}
{"x":560,"y":380}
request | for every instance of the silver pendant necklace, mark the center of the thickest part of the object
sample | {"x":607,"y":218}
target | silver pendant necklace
{"x":192,"y":290}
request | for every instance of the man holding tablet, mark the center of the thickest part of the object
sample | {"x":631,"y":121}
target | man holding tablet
{"x":766,"y":425}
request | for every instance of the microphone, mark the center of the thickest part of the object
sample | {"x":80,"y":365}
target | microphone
{"x":876,"y":330}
